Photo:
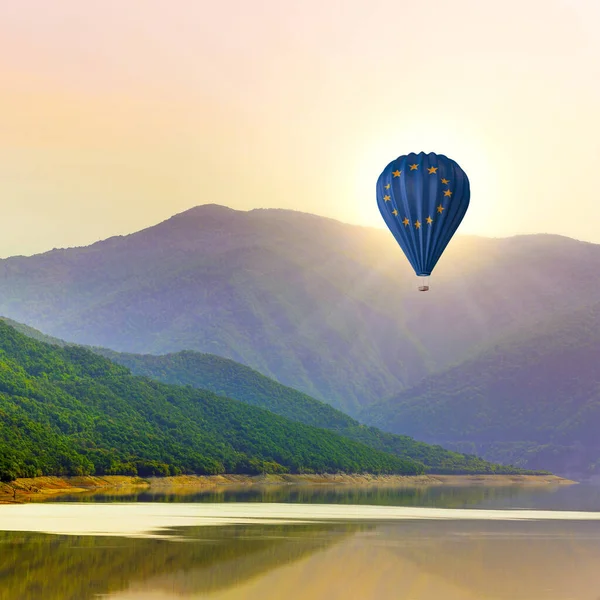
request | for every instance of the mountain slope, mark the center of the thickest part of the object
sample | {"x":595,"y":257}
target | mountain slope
{"x":268,"y":289}
{"x":225,"y":377}
{"x":69,"y":411}
{"x":328,"y":308}
{"x":531,"y":399}
{"x":228,"y":378}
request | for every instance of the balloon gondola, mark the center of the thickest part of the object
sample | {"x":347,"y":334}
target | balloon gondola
{"x":423,"y":198}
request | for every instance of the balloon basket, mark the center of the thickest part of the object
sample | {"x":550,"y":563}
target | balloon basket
{"x":424,"y":287}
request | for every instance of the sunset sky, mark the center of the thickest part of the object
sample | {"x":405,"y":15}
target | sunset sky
{"x":115,"y":114}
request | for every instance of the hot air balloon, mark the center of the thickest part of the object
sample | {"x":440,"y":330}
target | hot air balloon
{"x":423,"y":199}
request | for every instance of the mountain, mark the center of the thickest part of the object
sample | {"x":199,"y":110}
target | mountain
{"x":531,"y":399}
{"x":328,"y":308}
{"x":277,"y":290}
{"x":65,"y":410}
{"x":228,"y":378}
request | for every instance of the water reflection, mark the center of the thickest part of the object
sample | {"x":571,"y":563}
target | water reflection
{"x":555,"y":497}
{"x":393,"y":559}
{"x":424,"y":561}
{"x":56,"y":567}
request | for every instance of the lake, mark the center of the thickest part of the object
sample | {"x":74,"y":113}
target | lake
{"x":293,"y":542}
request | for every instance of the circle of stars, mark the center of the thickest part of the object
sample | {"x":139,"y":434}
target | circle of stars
{"x":440,"y":208}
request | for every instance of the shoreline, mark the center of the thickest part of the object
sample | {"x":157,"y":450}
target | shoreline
{"x":40,"y":488}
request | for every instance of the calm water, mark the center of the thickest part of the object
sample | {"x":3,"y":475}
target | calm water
{"x":289,"y":543}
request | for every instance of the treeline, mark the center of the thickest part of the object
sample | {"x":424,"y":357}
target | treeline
{"x":68,"y":411}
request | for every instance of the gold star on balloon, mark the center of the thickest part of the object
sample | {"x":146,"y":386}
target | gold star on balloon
{"x":396,"y":173}
{"x":406,"y":221}
{"x":447,"y":193}
{"x":395,"y":212}
{"x":429,"y":220}
{"x":440,"y":209}
{"x":387,"y":187}
{"x":418,"y":224}
{"x":414,"y":167}
{"x":445,"y":181}
{"x":386,"y":198}
{"x":432,"y":170}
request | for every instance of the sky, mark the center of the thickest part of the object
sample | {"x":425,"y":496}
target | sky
{"x":116,"y":115}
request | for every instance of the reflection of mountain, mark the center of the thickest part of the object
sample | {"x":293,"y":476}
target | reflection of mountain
{"x":272,"y":548}
{"x":34,"y":566}
{"x":442,"y":561}
{"x":505,"y":561}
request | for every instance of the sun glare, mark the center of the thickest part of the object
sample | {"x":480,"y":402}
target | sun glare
{"x":468,"y":148}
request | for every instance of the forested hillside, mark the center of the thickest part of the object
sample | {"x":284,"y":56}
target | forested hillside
{"x":69,"y":411}
{"x":228,"y":378}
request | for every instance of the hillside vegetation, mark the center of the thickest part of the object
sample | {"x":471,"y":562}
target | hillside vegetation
{"x":228,"y":378}
{"x":232,"y":379}
{"x":68,"y":411}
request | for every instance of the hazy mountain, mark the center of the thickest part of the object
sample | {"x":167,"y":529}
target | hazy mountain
{"x":228,"y":378}
{"x":532,"y":399}
{"x":328,"y":308}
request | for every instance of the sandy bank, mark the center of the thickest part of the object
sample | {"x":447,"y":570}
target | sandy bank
{"x":356,"y":480}
{"x":39,"y":488}
{"x":23,"y":490}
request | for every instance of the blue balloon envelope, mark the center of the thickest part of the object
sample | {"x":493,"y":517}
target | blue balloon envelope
{"x":423,"y":199}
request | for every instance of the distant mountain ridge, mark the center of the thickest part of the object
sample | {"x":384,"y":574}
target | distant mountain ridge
{"x":532,"y":398}
{"x":327,"y":308}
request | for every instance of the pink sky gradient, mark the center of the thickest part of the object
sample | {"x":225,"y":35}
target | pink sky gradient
{"x":115,"y":115}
